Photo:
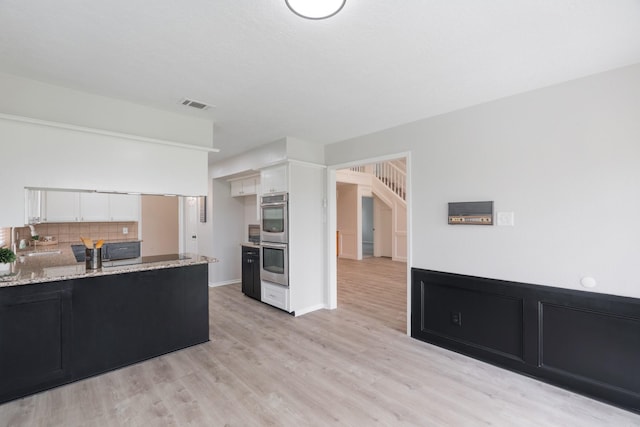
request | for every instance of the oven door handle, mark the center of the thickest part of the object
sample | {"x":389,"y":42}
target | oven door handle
{"x":274,"y":245}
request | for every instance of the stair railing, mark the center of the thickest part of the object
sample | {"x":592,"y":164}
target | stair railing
{"x":393,"y":177}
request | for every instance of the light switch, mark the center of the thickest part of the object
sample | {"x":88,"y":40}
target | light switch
{"x":505,"y":218}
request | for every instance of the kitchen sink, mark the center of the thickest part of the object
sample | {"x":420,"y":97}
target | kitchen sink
{"x":44,"y":252}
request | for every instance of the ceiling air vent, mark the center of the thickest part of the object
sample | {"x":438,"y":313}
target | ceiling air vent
{"x":195,"y":104}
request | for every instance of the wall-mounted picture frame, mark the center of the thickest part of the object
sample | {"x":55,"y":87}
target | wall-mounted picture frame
{"x":470,"y":213}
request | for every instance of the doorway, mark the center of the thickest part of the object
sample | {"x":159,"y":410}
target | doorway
{"x":367,"y":226}
{"x":190,"y":220}
{"x":369,"y":218}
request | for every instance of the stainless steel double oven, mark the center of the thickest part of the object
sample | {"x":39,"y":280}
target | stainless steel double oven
{"x":274,"y":234}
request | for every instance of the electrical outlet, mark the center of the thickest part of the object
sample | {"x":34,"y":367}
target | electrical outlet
{"x":456,"y":318}
{"x":125,"y":230}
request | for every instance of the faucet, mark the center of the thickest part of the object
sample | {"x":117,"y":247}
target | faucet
{"x":14,"y":240}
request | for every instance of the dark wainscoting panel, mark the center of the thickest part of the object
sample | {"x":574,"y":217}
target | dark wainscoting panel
{"x":583,"y":341}
{"x":461,"y":314}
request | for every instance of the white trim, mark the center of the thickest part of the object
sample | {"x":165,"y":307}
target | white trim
{"x":225,"y":283}
{"x":369,"y":161}
{"x":105,"y":132}
{"x":310,"y":164}
{"x":310,"y":309}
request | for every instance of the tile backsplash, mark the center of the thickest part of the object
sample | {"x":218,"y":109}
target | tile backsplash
{"x":70,"y":232}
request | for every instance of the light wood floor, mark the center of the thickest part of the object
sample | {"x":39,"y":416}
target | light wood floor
{"x":347,"y":367}
{"x":375,"y":288}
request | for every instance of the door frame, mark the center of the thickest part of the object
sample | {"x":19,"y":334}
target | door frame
{"x":188,"y":217}
{"x":332,"y":225}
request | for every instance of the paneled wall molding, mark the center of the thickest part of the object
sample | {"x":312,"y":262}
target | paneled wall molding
{"x":583,"y":341}
{"x":84,"y":129}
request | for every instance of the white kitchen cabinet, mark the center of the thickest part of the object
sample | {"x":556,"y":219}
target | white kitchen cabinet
{"x":70,"y":206}
{"x":61,"y":206}
{"x":33,"y":206}
{"x":245,"y":186}
{"x":124,"y":207}
{"x":275,"y":295}
{"x":236,"y":188}
{"x":94,"y":207}
{"x":274,"y":180}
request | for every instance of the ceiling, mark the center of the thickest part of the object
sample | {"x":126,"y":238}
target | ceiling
{"x":271,"y":74}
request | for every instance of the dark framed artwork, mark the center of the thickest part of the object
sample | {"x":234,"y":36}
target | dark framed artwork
{"x":471,"y":213}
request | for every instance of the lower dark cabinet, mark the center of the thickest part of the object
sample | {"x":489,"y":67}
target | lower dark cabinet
{"x":35,"y":330}
{"x":58,"y":332}
{"x":126,"y":318}
{"x":583,"y":341}
{"x":251,"y":272}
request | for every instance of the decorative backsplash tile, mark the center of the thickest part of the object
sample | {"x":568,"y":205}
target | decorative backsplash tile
{"x":71,"y":232}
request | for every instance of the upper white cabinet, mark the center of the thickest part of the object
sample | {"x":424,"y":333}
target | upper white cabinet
{"x":245,"y":186}
{"x":33,"y":206}
{"x":124,"y":207}
{"x":61,"y":206}
{"x":274,"y":180}
{"x":69,"y":206}
{"x":94,"y":207}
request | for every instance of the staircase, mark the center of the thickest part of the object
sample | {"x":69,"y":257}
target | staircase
{"x":388,"y":182}
{"x":392,"y":174}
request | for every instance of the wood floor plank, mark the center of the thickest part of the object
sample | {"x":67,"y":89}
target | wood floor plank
{"x":352,"y":366}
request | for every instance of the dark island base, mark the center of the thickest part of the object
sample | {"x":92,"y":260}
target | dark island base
{"x":59,"y":332}
{"x":583,"y":341}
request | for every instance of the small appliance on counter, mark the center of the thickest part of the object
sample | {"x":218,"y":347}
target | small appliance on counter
{"x":254,"y":234}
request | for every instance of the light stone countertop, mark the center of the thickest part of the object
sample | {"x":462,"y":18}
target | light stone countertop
{"x":63,"y":266}
{"x":251,"y":245}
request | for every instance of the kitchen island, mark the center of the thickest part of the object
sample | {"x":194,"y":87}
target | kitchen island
{"x":60,"y":322}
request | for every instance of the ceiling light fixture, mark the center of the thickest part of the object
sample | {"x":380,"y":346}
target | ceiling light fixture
{"x":315,"y":9}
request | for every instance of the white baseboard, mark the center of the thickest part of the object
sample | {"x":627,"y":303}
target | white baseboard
{"x":227,"y":282}
{"x":310,"y":309}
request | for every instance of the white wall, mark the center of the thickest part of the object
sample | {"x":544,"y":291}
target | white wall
{"x":278,"y":151}
{"x":347,"y":220}
{"x":250,"y":161}
{"x":251,"y":213}
{"x":205,"y":243}
{"x":304,"y":151}
{"x":38,"y":155}
{"x":38,"y":100}
{"x":224,"y":235}
{"x":307,"y":235}
{"x":43,"y":156}
{"x":564,"y":159}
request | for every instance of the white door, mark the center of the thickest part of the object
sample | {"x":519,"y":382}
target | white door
{"x":191,"y":225}
{"x":382,"y":229}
